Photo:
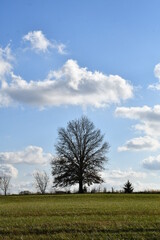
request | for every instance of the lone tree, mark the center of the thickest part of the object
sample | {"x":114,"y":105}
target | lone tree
{"x":4,"y":183}
{"x":81,"y":153}
{"x":41,"y":181}
{"x":128,"y":188}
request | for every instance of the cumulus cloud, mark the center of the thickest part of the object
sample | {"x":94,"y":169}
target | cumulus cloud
{"x":144,"y":113}
{"x":152,"y":162}
{"x":148,"y":123}
{"x":40,"y":43}
{"x":148,"y":117}
{"x":156,"y":86}
{"x":8,"y":170}
{"x":30,"y":155}
{"x":140,"y":144}
{"x":70,"y":85}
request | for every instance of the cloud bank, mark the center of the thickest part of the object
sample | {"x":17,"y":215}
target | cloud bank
{"x":70,"y":85}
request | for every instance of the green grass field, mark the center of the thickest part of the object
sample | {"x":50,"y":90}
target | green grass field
{"x":73,"y":216}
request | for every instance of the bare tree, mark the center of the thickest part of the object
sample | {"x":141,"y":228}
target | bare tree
{"x":4,"y":183}
{"x":41,"y":181}
{"x":81,"y":153}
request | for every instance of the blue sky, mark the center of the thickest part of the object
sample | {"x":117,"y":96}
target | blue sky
{"x":62,"y":59}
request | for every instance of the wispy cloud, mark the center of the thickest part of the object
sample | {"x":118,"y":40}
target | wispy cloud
{"x":40,"y":43}
{"x":122,"y":174}
{"x":5,"y":62}
{"x":61,"y":48}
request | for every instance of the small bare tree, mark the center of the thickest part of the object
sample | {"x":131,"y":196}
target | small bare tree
{"x":4,"y":183}
{"x":41,"y":181}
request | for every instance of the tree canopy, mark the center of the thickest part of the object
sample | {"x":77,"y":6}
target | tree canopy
{"x":80,"y":155}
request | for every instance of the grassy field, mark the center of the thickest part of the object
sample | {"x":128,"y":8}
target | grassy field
{"x":88,"y":216}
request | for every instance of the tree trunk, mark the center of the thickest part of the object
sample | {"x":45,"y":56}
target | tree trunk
{"x":80,"y":186}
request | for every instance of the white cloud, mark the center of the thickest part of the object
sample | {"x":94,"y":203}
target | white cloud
{"x":156,"y":86}
{"x":143,"y":113}
{"x":61,"y":48}
{"x":119,"y":174}
{"x":149,"y":124}
{"x":70,"y":85}
{"x":30,"y":155}
{"x":122,"y":175}
{"x":8,"y":170}
{"x":40,"y":43}
{"x":152,"y":162}
{"x":157,"y":71}
{"x":140,"y":144}
{"x":6,"y":59}
{"x":146,"y":186}
{"x":141,"y":180}
{"x":117,"y":178}
{"x":5,"y":63}
{"x":148,"y":117}
{"x":18,"y":186}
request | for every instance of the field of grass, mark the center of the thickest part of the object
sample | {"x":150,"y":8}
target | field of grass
{"x":73,"y":216}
